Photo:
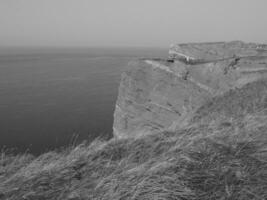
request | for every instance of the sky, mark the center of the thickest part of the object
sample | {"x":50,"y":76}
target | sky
{"x":153,"y":23}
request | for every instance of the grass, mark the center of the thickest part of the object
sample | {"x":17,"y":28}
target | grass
{"x":222,"y":154}
{"x":235,"y":103}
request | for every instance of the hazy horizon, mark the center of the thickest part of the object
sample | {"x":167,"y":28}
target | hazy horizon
{"x":125,"y":23}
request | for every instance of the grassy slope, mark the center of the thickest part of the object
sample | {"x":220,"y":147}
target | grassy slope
{"x":221,"y":155}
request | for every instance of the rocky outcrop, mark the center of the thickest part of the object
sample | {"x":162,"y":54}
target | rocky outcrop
{"x":208,"y":52}
{"x":157,"y":95}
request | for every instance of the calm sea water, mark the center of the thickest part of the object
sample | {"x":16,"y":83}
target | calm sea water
{"x":48,"y":96}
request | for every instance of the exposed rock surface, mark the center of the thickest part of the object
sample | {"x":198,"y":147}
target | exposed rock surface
{"x":157,"y":95}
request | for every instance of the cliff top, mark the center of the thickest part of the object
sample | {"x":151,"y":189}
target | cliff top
{"x":216,"y":51}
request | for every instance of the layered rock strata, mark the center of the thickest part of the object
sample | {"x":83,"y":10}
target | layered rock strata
{"x":157,"y":95}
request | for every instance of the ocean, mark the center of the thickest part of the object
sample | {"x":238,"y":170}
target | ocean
{"x":53,"y":97}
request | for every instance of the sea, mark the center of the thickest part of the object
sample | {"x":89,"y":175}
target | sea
{"x":51,"y":98}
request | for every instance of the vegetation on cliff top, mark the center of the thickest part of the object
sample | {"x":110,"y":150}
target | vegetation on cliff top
{"x":222,"y":154}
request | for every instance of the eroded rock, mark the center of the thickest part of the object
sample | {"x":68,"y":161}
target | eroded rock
{"x":156,"y":95}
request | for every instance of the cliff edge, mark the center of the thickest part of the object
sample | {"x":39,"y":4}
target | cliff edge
{"x":217,"y":152}
{"x":158,"y":95}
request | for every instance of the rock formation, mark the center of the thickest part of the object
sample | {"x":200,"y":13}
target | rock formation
{"x":157,"y":95}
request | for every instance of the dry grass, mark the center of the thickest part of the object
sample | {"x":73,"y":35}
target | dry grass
{"x":235,"y":103}
{"x":223,"y":158}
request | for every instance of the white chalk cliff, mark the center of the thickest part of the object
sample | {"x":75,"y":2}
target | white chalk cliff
{"x":160,"y":95}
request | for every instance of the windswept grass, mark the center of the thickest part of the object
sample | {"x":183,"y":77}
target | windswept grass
{"x":235,"y":103}
{"x":222,"y":158}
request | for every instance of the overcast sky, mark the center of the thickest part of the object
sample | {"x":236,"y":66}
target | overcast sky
{"x":130,"y":22}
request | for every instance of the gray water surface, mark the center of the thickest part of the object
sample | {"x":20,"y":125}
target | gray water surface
{"x":48,"y":96}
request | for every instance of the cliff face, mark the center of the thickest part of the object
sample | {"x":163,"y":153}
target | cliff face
{"x":157,"y":95}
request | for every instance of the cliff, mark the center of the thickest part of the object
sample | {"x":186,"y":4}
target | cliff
{"x":218,"y":110}
{"x":156,"y":95}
